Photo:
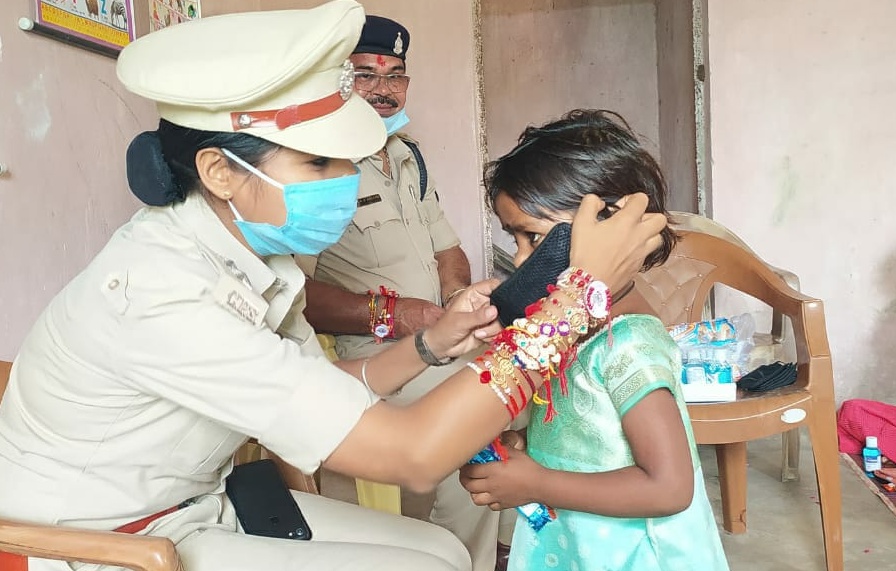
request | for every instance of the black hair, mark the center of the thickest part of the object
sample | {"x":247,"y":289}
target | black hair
{"x":161,"y":164}
{"x":586,"y":151}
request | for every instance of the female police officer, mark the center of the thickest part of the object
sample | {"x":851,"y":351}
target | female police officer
{"x":185,"y":335}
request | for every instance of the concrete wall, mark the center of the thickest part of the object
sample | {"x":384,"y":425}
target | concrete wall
{"x":64,"y":125}
{"x":802,"y":153}
{"x":542,"y":58}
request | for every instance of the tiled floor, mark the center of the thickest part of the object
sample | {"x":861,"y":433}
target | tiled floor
{"x":784,"y":526}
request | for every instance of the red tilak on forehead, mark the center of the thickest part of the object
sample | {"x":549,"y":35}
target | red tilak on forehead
{"x":381,"y":61}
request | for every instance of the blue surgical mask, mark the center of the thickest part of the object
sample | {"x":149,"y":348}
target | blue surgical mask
{"x":396,"y":122}
{"x":317,"y":213}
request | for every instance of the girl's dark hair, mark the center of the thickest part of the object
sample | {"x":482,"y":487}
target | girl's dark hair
{"x":180,"y":145}
{"x":586,"y":151}
{"x":162,"y":163}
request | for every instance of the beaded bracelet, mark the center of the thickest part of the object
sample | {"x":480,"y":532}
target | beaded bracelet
{"x":543,"y":344}
{"x":372,"y":304}
{"x":382,"y":323}
{"x":590,"y":294}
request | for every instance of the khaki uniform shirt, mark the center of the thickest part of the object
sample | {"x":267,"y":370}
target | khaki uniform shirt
{"x":392,"y":240}
{"x":144,"y":375}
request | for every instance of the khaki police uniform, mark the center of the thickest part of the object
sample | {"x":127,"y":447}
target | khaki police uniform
{"x":149,"y":370}
{"x":146,"y":373}
{"x":392,"y":241}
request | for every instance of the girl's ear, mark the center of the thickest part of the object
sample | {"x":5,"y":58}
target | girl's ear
{"x":620,"y":203}
{"x":215,"y":172}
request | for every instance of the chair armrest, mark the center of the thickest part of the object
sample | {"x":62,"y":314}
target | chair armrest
{"x":136,"y":552}
{"x":792,"y":280}
{"x":294,"y":478}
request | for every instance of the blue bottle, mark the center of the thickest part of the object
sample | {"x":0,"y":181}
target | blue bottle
{"x":871,"y":455}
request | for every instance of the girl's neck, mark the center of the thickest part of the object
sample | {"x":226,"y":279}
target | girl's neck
{"x":632,"y":302}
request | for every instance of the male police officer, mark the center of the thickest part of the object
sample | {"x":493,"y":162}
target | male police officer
{"x":399,"y":244}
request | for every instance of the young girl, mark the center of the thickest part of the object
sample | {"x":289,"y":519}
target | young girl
{"x":611,"y":448}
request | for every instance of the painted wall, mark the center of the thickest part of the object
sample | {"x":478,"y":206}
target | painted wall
{"x":542,"y":58}
{"x":64,"y":125}
{"x":802,"y":151}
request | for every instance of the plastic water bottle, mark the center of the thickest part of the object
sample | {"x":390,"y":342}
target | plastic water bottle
{"x":871,"y":455}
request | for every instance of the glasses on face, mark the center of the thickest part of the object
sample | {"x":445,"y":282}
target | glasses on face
{"x":368,"y":81}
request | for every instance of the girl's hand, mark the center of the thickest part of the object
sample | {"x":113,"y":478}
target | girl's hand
{"x":468,"y":321}
{"x":613,"y":250}
{"x":500,"y":485}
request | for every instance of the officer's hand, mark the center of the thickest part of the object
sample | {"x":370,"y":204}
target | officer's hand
{"x":469,"y":320}
{"x":506,"y":484}
{"x":412,"y":315}
{"x":613,"y":250}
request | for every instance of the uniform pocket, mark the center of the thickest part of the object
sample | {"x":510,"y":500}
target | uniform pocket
{"x":375,"y":215}
{"x":381,"y":223}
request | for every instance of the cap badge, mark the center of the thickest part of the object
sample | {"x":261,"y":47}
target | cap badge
{"x":347,"y":80}
{"x":399,"y":45}
{"x":244,"y":120}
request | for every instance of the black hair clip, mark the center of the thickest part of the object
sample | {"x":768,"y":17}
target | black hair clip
{"x":149,"y":176}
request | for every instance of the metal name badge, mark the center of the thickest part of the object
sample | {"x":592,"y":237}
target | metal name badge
{"x":232,"y":294}
{"x":372,"y":199}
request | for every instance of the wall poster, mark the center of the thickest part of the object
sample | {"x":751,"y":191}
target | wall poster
{"x":164,"y":13}
{"x":107,"y":24}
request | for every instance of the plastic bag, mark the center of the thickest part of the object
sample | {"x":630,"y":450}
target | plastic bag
{"x":716,"y":351}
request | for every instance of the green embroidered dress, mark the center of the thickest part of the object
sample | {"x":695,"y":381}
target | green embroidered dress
{"x":605,"y":382}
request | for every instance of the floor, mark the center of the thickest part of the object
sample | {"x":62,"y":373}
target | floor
{"x":784,"y":526}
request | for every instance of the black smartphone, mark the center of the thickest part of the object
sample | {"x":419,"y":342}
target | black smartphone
{"x":263,"y":503}
{"x":530,"y":281}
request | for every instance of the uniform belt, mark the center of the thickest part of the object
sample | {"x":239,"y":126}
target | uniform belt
{"x":15,"y":562}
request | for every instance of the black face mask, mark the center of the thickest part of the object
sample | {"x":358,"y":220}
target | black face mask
{"x":529,"y":282}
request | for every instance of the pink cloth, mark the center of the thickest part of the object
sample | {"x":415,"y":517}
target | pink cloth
{"x":858,"y":418}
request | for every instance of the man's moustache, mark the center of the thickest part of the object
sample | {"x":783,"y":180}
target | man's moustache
{"x":382,"y":100}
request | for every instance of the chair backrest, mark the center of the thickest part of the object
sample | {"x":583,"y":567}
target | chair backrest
{"x":678,"y":289}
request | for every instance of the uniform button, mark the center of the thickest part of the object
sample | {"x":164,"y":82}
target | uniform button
{"x":387,"y":183}
{"x":376,"y":224}
{"x":114,"y":284}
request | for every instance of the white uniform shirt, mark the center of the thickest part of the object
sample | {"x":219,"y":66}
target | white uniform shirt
{"x":144,"y":375}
